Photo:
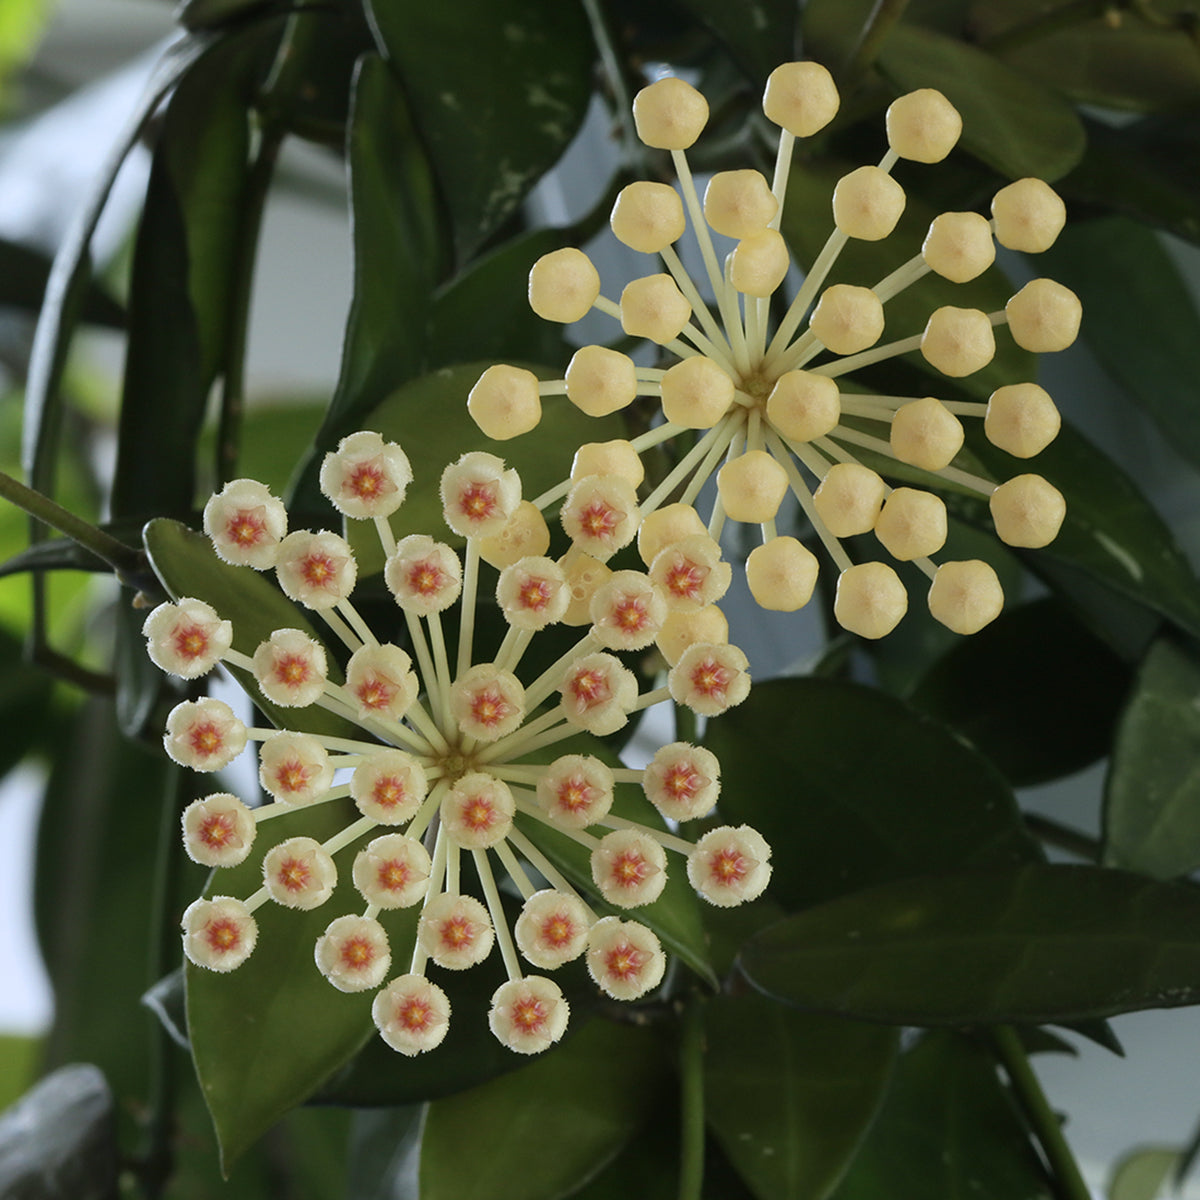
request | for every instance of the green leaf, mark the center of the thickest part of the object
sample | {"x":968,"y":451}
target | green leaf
{"x":188,"y":566}
{"x":1152,"y":794}
{"x":264,"y":1037}
{"x":791,"y":1095}
{"x":1034,"y":691}
{"x":760,"y":34}
{"x":1039,"y":943}
{"x":183,"y":273}
{"x":808,"y":221}
{"x":948,"y":1128}
{"x":25,"y":704}
{"x":1142,"y":1174}
{"x":497,"y":92}
{"x":429,"y":418}
{"x":1117,"y":267}
{"x":398,"y":253}
{"x":23,"y":275}
{"x":1111,"y":533}
{"x":852,"y":788}
{"x":542,"y":1131}
{"x":19,"y":1062}
{"x":1010,"y":122}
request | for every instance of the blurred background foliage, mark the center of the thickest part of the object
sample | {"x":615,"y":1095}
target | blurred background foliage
{"x":883,"y":774}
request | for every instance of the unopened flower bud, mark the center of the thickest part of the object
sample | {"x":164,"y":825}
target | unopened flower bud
{"x":1027,"y":511}
{"x":870,"y":600}
{"x":669,"y":114}
{"x":739,"y":203}
{"x":849,"y":499}
{"x":563,"y":285}
{"x":1029,"y":216}
{"x":1044,"y":316}
{"x":803,"y":406}
{"x":648,"y":217}
{"x":781,"y":574}
{"x":959,"y":246}
{"x":505,"y":402}
{"x":958,"y":341}
{"x":926,"y":434}
{"x":801,"y":97}
{"x":617,"y":457}
{"x":965,"y":596}
{"x":1022,"y":419}
{"x":847,"y":318}
{"x":653,"y":308}
{"x":683,"y":630}
{"x":923,"y":126}
{"x":752,"y":487}
{"x":912,"y":524}
{"x":696,"y":393}
{"x":867,"y":204}
{"x":759,"y":263}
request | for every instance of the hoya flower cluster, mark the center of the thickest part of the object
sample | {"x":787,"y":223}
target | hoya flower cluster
{"x":441,"y":767}
{"x":770,"y":409}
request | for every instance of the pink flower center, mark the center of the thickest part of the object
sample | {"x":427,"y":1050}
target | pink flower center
{"x":629,"y":869}
{"x":217,"y":830}
{"x":357,"y":953}
{"x":529,"y":1014}
{"x":414,"y":1014}
{"x":376,"y":692}
{"x":479,"y":814}
{"x":294,"y":874}
{"x":457,"y":933}
{"x":393,"y":875}
{"x":574,"y":794}
{"x":710,"y":678}
{"x":590,"y":687}
{"x":206,"y":738}
{"x":557,"y":930}
{"x":318,"y":570}
{"x":247,"y":527}
{"x":685,"y":580}
{"x":222,"y":935}
{"x":388,"y":792}
{"x":535,"y":595}
{"x":489,"y":707}
{"x":598,"y":519}
{"x":292,"y":776}
{"x":629,"y":615}
{"x":681,"y":781}
{"x":624,"y":961}
{"x":729,"y":866}
{"x":292,"y":670}
{"x":190,"y":641}
{"x":426,"y":578}
{"x":477,"y":501}
{"x":367,"y":481}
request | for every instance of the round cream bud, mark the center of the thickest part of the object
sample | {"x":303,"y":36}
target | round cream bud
{"x":1029,"y":215}
{"x":739,"y":203}
{"x":669,"y":114}
{"x":666,"y":526}
{"x":563,"y":285}
{"x":847,"y":318}
{"x":1022,"y":419}
{"x":867,"y":204}
{"x":912,"y":524}
{"x":696,"y":393}
{"x":654,"y":308}
{"x":803,"y":406}
{"x":648,"y":217}
{"x":870,"y":600}
{"x":524,"y":534}
{"x":505,"y":402}
{"x":1044,"y":316}
{"x":752,"y":487}
{"x":600,"y":381}
{"x":926,"y":434}
{"x":683,"y":630}
{"x":849,"y":499}
{"x":758,"y":263}
{"x":782,"y":574}
{"x":959,"y":246}
{"x":584,"y":574}
{"x":1027,"y":511}
{"x":958,"y":341}
{"x":617,"y":457}
{"x":923,"y":126}
{"x":800,"y":97}
{"x":965,"y":596}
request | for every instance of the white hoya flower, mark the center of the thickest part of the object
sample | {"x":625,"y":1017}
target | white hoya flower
{"x":388,"y":786}
{"x":353,"y":953}
{"x":576,"y":790}
{"x":204,"y":734}
{"x":246,"y":523}
{"x":528,"y":1015}
{"x":218,"y":934}
{"x":425,"y":576}
{"x":730,"y":866}
{"x":552,"y":929}
{"x":629,"y":868}
{"x":710,"y":679}
{"x":600,"y":515}
{"x":487,"y":703}
{"x":186,"y":639}
{"x":682,"y":781}
{"x":382,"y":681}
{"x":598,"y":693}
{"x":366,"y":476}
{"x":411,"y":1014}
{"x":478,"y":811}
{"x":218,"y":830}
{"x":627,"y":611}
{"x":299,"y":873}
{"x":455,"y":931}
{"x":290,"y":668}
{"x":479,"y":495}
{"x":533,"y":593}
{"x":294,"y":767}
{"x":624,"y":958}
{"x":316,"y":569}
{"x":392,"y":871}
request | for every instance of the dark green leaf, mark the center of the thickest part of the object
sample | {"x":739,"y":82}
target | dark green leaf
{"x":808,"y":221}
{"x":1118,"y":267}
{"x":832,"y":27}
{"x":59,"y":1141}
{"x":1034,"y":691}
{"x":25,"y":704}
{"x":1152,"y":794}
{"x":948,"y":1128}
{"x":497,"y":92}
{"x":183,"y":273}
{"x":429,"y":418}
{"x":62,"y":554}
{"x":265,"y":1036}
{"x":1039,"y":943}
{"x":385,"y":1146}
{"x":23,"y":275}
{"x":188,"y":566}
{"x":1010,"y":122}
{"x":542,"y":1131}
{"x":852,"y":788}
{"x":213,"y":14}
{"x":789,"y":1094}
{"x":760,"y":34}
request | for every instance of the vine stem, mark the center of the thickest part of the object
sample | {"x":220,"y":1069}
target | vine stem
{"x":691,"y":1098}
{"x":874,"y":33}
{"x":1046,"y":1126}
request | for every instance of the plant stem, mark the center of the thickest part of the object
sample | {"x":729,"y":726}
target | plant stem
{"x":606,"y":43}
{"x":691,"y":1098}
{"x":1063,"y":837}
{"x":1051,"y":21}
{"x":1046,"y":1127}
{"x":874,"y":33}
{"x":123,"y":559}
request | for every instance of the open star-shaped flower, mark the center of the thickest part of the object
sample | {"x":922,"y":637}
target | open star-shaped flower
{"x":441,"y":765}
{"x":765,"y":403}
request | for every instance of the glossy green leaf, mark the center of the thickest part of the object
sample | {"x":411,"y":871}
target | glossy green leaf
{"x":948,"y":1128}
{"x":1035,"y":944}
{"x":183,"y":272}
{"x":542,"y":1131}
{"x":23,"y":275}
{"x":808,"y":221}
{"x":265,"y":1036}
{"x":188,"y":566}
{"x":853,"y":788}
{"x":1117,"y":267}
{"x":1013,"y":124}
{"x":398,"y":252}
{"x":1142,"y":1174}
{"x":831,"y":28}
{"x":1035,"y":691}
{"x":1152,"y":794}
{"x":760,"y":34}
{"x":497,"y":92}
{"x":429,"y":418}
{"x":1111,"y":533}
{"x":791,"y":1095}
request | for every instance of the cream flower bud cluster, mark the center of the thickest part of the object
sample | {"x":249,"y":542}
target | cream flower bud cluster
{"x":438,"y":766}
{"x":773,"y":413}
